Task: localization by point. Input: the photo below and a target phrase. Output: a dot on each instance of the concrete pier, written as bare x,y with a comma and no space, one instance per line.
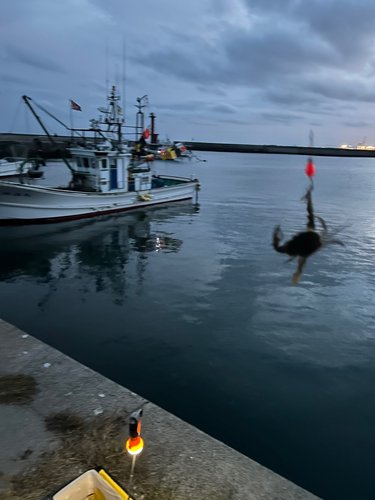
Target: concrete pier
179,462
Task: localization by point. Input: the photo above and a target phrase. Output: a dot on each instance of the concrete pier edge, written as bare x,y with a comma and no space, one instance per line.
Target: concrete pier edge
186,461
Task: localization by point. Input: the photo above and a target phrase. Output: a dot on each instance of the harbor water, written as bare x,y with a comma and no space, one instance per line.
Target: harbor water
190,306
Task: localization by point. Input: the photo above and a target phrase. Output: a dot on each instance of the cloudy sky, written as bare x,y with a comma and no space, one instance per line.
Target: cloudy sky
249,71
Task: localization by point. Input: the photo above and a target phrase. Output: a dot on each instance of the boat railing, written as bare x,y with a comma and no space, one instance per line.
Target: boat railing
177,178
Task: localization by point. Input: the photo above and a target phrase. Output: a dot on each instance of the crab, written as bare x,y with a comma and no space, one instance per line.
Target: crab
305,243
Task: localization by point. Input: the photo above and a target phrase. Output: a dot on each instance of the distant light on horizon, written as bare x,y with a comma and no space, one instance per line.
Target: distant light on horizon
360,146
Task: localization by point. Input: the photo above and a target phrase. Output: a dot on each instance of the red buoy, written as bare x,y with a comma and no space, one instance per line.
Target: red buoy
310,168
146,133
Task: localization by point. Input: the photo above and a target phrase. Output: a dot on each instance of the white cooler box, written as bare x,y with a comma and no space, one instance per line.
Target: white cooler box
92,486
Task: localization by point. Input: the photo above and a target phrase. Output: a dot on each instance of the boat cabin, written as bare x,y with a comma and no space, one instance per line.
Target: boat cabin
106,170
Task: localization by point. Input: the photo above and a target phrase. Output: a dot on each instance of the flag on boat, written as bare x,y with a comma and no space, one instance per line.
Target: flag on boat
119,110
146,133
75,106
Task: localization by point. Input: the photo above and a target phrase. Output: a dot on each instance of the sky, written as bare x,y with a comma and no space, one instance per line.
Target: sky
239,71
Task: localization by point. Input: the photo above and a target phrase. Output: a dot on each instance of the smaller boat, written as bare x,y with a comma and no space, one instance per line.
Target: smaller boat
21,167
166,150
174,151
13,167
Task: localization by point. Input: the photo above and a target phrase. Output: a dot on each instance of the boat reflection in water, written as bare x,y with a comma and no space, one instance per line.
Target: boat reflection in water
99,248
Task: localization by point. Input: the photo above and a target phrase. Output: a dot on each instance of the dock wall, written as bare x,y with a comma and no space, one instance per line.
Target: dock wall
179,461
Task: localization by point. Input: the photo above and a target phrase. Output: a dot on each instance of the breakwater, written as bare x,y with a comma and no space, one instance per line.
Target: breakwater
273,149
22,145
29,145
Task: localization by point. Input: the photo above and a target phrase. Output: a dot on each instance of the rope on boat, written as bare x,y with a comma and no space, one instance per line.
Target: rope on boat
15,116
144,197
197,157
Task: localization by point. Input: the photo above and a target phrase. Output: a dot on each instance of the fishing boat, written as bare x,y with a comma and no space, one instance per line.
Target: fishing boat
175,151
106,178
166,150
12,167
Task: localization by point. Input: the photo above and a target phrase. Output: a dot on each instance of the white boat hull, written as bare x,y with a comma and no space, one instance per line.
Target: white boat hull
12,168
20,203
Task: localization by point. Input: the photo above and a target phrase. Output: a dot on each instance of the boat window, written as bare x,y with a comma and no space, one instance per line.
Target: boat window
79,162
86,162
112,162
104,163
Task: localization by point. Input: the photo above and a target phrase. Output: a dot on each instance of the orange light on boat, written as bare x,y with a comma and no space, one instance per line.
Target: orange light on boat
134,446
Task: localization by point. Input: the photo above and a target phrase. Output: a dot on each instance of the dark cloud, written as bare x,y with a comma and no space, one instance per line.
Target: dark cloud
292,97
12,79
340,88
267,58
180,64
346,25
290,42
233,121
203,123
223,108
212,90
34,59
181,106
284,118
194,106
356,124
244,58
211,62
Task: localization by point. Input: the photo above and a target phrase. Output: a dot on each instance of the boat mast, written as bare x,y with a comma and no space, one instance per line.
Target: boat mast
139,119
27,102
112,118
123,81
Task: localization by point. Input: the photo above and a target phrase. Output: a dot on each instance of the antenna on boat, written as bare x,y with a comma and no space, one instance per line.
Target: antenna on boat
112,117
117,76
123,80
106,67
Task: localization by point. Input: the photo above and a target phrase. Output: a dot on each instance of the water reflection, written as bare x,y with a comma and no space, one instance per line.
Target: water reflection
99,248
